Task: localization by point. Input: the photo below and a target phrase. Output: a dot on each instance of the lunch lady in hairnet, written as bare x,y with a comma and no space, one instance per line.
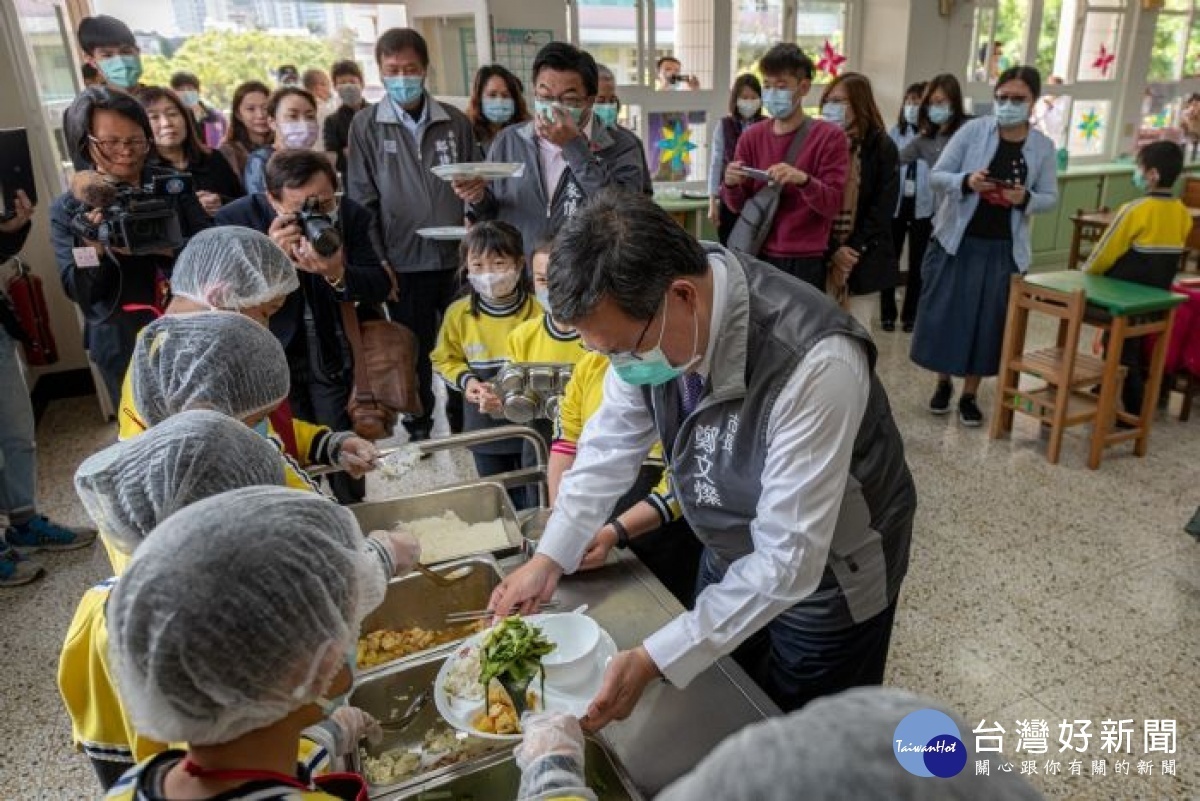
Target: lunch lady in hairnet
783,454
128,489
233,630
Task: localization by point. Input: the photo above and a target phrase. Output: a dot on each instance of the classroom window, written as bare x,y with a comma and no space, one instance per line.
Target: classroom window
758,24
1099,53
1176,42
1090,126
1000,32
608,29
818,23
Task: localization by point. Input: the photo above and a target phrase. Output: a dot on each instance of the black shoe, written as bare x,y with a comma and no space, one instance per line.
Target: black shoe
940,402
888,325
968,412
908,327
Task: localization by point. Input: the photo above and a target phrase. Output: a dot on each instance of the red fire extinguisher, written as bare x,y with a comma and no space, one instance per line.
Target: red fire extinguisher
29,302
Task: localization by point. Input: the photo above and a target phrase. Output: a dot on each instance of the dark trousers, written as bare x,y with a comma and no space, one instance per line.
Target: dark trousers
424,297
811,270
794,664
491,464
109,772
726,220
918,233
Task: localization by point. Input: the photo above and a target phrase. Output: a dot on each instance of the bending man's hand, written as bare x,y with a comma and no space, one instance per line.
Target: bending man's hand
624,681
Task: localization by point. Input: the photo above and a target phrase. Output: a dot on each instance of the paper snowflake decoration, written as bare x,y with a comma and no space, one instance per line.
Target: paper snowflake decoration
1104,61
676,146
831,60
1090,125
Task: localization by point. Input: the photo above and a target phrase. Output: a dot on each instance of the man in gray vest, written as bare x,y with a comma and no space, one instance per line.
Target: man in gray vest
782,447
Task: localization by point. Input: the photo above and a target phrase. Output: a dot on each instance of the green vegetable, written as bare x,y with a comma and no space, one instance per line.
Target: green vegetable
513,650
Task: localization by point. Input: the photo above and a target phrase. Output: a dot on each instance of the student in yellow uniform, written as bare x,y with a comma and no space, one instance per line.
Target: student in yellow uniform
646,520
234,630
1145,244
542,339
127,489
472,344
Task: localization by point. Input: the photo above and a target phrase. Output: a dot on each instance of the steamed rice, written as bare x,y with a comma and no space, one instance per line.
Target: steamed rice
448,537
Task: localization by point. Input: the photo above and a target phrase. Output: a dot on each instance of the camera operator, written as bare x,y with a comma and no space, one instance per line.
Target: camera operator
296,211
117,289
671,78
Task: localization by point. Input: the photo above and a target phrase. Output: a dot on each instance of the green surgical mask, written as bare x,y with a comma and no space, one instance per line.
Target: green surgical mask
652,368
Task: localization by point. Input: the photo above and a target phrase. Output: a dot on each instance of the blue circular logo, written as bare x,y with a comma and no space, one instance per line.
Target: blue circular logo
927,743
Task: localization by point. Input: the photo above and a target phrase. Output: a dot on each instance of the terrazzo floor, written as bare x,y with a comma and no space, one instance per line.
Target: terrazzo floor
1034,592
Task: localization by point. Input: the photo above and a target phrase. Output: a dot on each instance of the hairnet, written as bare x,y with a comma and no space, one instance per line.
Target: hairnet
237,611
132,486
207,360
233,268
837,747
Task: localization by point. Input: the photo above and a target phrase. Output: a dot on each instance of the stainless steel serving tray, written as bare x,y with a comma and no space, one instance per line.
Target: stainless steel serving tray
476,503
415,601
387,694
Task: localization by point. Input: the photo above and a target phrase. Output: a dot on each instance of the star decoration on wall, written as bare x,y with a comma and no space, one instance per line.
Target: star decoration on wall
676,146
1104,61
831,60
1090,125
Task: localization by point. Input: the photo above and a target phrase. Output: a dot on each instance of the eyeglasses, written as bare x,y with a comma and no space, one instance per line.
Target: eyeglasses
628,354
1012,99
573,101
108,147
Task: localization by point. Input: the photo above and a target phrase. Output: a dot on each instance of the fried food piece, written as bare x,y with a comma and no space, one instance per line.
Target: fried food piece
387,645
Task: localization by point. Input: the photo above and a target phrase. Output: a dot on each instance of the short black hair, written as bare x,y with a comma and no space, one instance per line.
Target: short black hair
746,80
564,57
622,246
345,67
279,94
396,40
544,245
103,31
786,58
663,60
1166,157
290,69
89,72
1029,75
182,79
292,167
77,121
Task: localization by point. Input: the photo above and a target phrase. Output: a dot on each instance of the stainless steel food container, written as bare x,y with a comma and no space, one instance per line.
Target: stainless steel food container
497,778
475,503
510,379
541,378
521,407
387,695
415,600
533,523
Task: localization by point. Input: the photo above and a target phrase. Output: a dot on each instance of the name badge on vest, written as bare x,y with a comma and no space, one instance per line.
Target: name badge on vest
910,187
389,146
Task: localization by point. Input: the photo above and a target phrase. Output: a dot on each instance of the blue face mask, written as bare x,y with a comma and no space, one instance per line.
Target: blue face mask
543,296
778,102
912,113
190,97
606,113
499,110
330,704
261,428
652,368
1012,114
835,113
122,71
404,89
939,114
1139,180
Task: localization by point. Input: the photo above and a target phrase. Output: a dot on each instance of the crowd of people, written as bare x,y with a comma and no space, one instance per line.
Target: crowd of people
755,363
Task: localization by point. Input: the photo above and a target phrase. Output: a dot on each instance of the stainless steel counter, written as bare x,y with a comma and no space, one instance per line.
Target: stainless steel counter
670,730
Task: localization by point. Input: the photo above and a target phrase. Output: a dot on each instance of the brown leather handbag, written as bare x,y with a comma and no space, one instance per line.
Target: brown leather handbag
385,373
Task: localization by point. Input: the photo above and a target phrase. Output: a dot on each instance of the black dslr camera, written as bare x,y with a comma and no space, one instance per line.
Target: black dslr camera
139,219
319,228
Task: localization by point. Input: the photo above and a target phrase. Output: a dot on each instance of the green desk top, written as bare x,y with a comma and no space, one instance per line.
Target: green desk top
681,203
1116,297
1112,168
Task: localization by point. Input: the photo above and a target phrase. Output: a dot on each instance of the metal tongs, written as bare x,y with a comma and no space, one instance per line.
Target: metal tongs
484,614
381,461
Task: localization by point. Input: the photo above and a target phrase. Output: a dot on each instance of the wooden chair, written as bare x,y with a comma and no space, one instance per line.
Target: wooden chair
1065,399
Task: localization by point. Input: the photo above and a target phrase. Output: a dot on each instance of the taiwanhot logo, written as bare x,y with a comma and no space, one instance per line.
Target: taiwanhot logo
928,743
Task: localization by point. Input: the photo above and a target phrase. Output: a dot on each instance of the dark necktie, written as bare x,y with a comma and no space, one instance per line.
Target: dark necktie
693,389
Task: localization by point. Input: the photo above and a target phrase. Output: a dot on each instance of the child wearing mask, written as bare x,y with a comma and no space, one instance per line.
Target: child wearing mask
472,345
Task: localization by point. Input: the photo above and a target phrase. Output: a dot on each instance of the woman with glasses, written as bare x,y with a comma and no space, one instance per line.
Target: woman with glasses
995,173
120,286
178,143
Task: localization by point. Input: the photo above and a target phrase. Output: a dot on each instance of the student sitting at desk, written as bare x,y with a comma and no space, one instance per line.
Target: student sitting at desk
1144,244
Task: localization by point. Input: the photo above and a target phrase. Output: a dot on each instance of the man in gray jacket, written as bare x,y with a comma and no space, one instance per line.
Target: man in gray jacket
569,155
392,148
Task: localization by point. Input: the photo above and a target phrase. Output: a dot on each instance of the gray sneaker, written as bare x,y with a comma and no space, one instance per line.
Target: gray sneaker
16,570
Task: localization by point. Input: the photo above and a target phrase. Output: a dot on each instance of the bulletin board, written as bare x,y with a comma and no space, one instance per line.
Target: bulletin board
516,48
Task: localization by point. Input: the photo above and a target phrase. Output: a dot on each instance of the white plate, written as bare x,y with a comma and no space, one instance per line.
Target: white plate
459,713
447,233
489,170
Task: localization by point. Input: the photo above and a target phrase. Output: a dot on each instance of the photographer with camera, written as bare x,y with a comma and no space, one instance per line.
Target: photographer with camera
329,241
671,77
116,233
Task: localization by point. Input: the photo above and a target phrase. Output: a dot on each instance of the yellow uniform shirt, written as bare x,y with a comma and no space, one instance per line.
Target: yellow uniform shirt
99,725
144,781
1146,238
581,399
538,340
476,346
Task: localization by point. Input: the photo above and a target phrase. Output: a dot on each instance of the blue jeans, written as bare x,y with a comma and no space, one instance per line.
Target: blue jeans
793,664
18,466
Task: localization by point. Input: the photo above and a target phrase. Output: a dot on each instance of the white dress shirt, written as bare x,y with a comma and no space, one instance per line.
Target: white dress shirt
810,432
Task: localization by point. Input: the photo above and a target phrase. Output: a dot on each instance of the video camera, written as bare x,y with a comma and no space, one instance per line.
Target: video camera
319,228
139,219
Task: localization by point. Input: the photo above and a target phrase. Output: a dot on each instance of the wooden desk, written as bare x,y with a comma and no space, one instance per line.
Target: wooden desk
1124,310
1091,225
689,212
